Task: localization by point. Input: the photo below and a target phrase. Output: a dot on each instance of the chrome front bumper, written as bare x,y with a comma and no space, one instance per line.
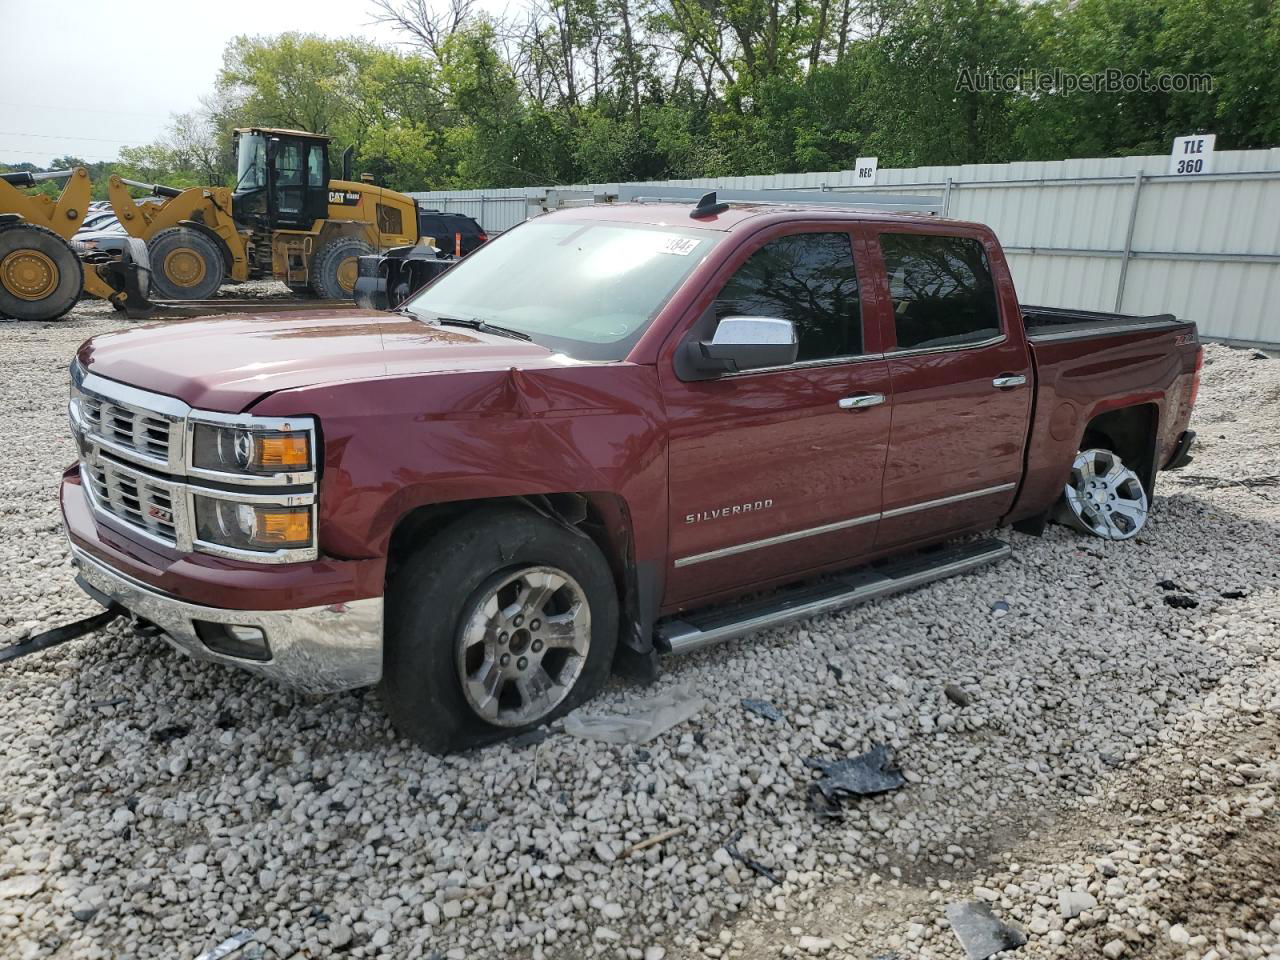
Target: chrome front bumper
316,649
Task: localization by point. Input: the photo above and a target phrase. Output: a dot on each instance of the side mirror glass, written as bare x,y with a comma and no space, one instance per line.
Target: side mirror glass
746,343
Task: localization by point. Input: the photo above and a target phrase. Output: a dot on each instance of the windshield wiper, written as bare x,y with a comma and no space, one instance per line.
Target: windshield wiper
484,326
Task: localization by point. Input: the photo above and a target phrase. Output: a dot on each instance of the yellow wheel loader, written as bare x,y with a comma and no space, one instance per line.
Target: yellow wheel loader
42,275
284,218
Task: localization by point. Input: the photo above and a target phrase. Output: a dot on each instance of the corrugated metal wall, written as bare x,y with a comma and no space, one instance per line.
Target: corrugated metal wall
1099,234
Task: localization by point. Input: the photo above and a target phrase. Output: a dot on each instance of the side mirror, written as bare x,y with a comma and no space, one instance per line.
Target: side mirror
746,343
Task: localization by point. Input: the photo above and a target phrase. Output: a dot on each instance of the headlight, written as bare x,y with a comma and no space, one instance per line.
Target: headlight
259,527
252,450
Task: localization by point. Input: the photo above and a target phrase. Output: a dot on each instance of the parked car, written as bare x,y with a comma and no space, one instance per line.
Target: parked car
583,446
455,234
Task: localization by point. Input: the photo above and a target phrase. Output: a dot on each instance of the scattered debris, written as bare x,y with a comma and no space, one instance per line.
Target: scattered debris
1233,594
836,671
1167,585
755,866
653,841
84,914
113,702
658,716
530,738
1181,601
762,708
174,731
59,635
1000,608
863,775
229,947
1259,355
957,695
980,932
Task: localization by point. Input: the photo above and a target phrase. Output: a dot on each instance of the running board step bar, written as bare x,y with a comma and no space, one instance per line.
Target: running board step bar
699,629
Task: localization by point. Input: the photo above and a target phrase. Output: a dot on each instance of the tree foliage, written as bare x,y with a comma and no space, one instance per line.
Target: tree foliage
606,90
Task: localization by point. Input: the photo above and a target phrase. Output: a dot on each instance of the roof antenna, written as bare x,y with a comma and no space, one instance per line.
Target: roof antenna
708,207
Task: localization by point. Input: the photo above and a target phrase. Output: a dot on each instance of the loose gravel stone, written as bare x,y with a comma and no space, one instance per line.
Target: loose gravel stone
1087,696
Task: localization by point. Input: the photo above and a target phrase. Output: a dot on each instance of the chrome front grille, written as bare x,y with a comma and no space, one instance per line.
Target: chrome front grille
122,426
143,502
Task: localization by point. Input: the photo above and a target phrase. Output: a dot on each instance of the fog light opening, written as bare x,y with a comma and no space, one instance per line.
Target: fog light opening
234,640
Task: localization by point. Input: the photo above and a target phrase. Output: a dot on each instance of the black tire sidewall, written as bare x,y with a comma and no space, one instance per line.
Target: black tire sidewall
324,280
70,273
164,243
430,595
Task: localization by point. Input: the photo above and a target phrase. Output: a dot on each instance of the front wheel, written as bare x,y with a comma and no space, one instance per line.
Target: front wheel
1104,497
185,264
336,265
503,621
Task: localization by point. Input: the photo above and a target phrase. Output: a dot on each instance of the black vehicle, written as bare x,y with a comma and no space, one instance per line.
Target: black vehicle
455,234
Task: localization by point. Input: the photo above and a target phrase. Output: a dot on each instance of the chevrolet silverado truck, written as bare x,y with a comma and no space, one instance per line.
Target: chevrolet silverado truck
613,432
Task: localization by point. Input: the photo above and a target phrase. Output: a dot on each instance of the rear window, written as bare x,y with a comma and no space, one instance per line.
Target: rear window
941,290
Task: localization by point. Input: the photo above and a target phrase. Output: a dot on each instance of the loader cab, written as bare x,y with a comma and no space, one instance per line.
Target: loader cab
282,179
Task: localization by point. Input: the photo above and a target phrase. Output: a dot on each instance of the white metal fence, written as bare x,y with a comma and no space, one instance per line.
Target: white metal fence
1097,234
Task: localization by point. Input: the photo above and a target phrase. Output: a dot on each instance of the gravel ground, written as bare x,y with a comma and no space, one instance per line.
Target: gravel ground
1101,741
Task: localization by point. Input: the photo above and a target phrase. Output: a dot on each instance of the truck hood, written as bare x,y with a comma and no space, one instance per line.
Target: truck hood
226,363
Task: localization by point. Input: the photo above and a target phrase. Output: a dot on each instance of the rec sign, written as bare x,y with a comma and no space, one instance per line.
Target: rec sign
1192,155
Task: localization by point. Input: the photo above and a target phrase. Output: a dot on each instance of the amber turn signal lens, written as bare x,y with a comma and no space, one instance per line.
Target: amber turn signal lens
284,450
284,527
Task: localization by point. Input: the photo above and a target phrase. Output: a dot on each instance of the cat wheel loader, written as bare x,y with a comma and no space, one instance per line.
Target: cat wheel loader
284,218
42,274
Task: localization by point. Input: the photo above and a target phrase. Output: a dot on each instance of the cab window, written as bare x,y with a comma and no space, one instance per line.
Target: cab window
940,289
809,279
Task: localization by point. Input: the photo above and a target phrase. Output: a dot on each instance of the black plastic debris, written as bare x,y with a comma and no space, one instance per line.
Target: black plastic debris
531,738
174,731
1233,594
836,672
981,932
113,702
1181,601
957,695
866,774
762,708
59,635
1000,608
1167,585
755,866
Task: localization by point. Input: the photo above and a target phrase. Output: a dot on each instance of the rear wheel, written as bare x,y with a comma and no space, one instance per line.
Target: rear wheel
333,275
185,264
1104,497
504,621
41,277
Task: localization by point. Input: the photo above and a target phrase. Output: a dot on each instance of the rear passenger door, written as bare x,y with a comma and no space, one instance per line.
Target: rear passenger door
961,379
776,472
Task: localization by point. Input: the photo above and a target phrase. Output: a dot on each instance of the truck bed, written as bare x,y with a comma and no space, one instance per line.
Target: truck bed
1057,323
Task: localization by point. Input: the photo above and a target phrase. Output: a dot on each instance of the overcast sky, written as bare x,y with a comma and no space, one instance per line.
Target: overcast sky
86,77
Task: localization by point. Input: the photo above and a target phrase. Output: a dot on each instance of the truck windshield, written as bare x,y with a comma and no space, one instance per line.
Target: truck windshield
251,163
588,290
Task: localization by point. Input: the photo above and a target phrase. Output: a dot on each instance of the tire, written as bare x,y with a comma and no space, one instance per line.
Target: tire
1103,497
185,265
459,605
333,272
301,290
41,278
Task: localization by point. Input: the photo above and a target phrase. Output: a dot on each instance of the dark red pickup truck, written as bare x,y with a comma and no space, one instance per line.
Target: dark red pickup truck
583,445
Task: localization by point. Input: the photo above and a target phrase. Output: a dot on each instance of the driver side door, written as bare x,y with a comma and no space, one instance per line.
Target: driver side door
777,472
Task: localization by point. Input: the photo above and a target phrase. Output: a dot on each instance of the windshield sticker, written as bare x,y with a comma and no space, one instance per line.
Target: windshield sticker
679,246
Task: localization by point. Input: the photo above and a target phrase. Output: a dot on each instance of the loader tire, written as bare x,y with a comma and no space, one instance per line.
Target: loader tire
333,276
41,277
185,265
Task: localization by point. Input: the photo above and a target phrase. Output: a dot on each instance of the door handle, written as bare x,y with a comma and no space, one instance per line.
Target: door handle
861,401
1004,383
